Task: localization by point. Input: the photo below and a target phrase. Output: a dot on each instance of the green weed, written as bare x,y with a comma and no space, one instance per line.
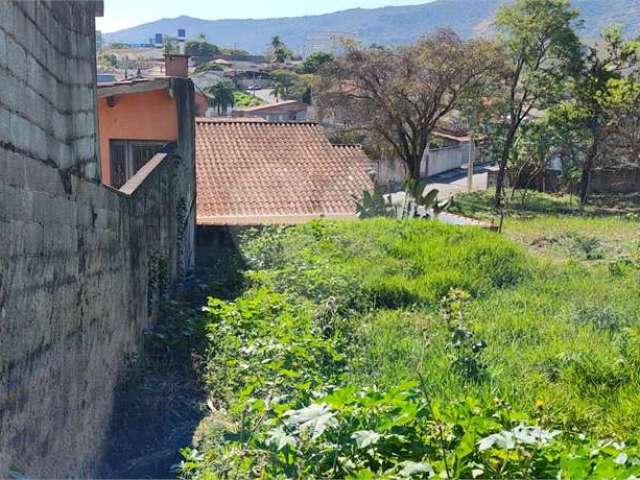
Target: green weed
407,349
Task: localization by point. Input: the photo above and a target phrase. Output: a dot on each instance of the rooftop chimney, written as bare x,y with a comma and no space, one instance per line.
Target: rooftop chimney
177,64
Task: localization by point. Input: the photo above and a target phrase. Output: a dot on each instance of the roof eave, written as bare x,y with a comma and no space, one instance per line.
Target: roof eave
257,220
134,86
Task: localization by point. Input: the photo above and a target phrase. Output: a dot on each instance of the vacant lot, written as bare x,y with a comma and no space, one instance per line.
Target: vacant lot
395,349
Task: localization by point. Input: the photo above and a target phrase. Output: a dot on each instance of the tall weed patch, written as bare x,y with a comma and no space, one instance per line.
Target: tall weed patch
390,349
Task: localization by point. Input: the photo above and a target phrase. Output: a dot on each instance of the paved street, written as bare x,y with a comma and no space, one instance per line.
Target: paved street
266,95
455,181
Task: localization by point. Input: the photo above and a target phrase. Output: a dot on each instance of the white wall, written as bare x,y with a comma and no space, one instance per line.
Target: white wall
447,158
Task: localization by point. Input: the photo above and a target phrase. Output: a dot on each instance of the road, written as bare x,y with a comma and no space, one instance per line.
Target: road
266,95
455,181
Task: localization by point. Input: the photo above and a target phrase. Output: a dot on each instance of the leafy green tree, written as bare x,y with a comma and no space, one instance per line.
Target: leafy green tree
223,96
531,154
622,105
302,88
201,51
283,82
279,50
315,62
601,68
541,46
169,45
236,53
585,116
276,42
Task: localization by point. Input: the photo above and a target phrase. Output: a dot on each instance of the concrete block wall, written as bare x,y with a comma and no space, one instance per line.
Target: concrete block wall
622,180
47,92
75,257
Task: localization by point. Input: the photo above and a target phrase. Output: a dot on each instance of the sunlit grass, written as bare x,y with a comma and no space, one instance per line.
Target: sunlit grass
560,326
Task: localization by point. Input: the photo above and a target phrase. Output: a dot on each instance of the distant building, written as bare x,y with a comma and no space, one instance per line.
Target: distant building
289,111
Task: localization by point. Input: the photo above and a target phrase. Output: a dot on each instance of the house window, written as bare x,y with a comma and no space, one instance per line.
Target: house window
129,156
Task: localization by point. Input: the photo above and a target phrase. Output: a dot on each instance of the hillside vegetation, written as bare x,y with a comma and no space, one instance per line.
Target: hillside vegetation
387,26
390,349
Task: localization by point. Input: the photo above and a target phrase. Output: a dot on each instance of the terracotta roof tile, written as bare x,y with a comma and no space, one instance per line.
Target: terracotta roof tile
259,172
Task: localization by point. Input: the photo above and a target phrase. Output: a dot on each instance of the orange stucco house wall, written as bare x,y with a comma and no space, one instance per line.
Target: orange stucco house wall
136,116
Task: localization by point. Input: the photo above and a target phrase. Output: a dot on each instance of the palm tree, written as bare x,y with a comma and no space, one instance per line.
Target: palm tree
283,80
223,97
279,50
280,91
276,42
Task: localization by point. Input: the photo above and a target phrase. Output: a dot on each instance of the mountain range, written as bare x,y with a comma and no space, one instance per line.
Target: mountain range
387,26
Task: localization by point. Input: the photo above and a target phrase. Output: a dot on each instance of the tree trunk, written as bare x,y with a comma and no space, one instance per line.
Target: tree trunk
425,159
504,161
413,165
585,180
587,169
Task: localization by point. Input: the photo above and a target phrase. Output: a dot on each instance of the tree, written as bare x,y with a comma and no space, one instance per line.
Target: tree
539,41
584,116
201,51
531,154
622,105
223,97
601,68
279,51
236,53
107,60
316,61
398,96
276,42
283,82
170,45
301,88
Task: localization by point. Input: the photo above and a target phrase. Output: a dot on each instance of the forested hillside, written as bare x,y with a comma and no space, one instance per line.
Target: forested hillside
389,25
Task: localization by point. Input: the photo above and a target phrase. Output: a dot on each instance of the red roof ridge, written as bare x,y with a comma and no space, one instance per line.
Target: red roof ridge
247,121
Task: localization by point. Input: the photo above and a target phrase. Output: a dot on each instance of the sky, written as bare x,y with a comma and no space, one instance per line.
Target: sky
120,14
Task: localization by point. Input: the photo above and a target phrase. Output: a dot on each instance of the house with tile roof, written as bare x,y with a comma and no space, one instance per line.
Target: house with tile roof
257,173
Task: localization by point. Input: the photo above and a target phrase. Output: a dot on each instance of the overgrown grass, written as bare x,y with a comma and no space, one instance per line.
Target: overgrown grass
336,309
533,204
558,228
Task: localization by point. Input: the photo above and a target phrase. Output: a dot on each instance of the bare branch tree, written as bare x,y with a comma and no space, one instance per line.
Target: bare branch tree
398,96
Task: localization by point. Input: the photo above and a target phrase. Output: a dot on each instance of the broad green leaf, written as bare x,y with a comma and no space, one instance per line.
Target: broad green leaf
280,439
314,419
365,438
412,468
